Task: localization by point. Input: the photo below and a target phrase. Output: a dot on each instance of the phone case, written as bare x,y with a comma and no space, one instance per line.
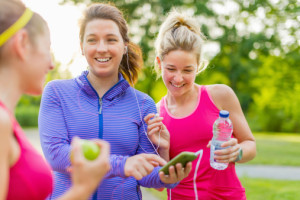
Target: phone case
183,158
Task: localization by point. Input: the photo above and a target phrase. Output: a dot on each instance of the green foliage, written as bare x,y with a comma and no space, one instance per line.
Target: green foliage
257,55
27,116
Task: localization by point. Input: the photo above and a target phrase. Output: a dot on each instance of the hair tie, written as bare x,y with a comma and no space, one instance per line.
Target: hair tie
181,23
20,23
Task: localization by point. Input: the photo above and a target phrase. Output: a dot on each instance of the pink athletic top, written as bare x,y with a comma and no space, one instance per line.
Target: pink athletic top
30,177
192,133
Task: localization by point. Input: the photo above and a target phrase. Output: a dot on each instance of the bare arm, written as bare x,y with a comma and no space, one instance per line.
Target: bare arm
225,99
5,135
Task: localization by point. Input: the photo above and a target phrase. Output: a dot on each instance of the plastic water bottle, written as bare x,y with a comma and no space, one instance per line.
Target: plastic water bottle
222,130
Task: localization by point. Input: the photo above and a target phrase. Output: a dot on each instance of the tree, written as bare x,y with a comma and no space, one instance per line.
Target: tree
256,52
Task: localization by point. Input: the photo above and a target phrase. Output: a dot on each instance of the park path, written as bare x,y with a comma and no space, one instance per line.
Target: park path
253,171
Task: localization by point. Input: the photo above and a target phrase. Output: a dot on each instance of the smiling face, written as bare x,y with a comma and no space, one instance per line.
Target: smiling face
179,71
103,48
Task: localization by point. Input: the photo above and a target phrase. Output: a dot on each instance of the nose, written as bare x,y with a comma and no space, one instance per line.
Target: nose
102,46
178,77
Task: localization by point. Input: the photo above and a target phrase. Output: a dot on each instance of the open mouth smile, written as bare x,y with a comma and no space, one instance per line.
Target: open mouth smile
103,60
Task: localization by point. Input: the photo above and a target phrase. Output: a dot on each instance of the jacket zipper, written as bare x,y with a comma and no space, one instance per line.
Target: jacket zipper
100,109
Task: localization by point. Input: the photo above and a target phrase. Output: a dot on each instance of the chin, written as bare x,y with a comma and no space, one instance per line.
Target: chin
35,92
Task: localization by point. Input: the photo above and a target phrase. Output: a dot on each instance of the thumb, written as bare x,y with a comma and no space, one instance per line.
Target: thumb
152,158
76,150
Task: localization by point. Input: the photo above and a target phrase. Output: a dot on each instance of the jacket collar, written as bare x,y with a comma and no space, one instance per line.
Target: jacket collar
115,91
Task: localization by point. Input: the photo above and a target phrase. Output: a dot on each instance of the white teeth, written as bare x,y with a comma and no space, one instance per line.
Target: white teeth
103,59
178,86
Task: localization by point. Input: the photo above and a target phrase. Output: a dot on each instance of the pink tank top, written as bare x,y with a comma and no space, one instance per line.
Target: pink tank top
30,177
192,133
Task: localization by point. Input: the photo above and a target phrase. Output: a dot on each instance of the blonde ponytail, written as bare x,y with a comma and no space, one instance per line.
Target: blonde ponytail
179,32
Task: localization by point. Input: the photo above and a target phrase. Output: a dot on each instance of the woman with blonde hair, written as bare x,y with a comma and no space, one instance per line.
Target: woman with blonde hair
25,59
189,111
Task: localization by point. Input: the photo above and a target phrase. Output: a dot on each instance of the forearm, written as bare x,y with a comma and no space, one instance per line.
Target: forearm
164,153
249,151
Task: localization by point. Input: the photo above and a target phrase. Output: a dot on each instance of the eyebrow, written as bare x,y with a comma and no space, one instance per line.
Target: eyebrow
188,66
108,35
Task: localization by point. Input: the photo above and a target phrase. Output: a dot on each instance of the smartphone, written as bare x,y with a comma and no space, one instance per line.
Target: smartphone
183,158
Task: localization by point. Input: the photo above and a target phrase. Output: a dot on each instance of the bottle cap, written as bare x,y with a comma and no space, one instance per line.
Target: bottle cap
224,113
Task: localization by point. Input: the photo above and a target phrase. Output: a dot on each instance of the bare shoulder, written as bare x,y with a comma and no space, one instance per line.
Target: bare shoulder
5,125
221,95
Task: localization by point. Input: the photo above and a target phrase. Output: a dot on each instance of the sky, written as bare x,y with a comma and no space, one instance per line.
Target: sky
64,31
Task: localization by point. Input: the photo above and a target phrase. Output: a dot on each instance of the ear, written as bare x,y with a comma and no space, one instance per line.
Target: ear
21,44
158,62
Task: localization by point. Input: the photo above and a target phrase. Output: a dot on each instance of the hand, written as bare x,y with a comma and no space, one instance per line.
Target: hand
86,175
141,165
229,154
176,175
158,134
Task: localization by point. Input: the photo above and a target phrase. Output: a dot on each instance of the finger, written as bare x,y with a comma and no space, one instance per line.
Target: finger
148,117
208,145
172,174
148,167
154,164
163,177
153,157
231,142
155,124
142,170
179,171
137,175
188,169
105,148
156,120
76,150
153,131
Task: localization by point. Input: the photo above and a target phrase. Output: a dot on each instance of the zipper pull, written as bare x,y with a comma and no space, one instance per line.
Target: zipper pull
100,110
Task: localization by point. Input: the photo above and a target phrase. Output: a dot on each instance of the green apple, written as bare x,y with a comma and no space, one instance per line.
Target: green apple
89,148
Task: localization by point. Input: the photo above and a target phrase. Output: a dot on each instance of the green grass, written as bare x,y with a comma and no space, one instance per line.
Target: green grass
265,189
259,189
277,149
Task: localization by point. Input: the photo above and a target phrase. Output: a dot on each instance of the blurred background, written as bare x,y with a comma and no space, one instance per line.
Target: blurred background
253,46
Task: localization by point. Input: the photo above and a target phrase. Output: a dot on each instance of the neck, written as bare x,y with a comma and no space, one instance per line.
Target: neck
103,84
184,99
10,90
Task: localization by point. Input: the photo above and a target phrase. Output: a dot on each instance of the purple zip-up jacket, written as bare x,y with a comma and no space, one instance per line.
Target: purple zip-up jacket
73,108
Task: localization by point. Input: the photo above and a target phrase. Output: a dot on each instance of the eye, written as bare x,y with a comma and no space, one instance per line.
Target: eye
188,71
90,40
112,40
170,69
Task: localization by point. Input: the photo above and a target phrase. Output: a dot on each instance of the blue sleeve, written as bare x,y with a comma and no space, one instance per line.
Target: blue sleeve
145,146
53,131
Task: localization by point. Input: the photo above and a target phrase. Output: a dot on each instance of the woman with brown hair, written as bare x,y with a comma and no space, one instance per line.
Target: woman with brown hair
100,103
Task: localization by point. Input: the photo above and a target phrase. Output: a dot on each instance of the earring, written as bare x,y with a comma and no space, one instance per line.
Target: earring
125,49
